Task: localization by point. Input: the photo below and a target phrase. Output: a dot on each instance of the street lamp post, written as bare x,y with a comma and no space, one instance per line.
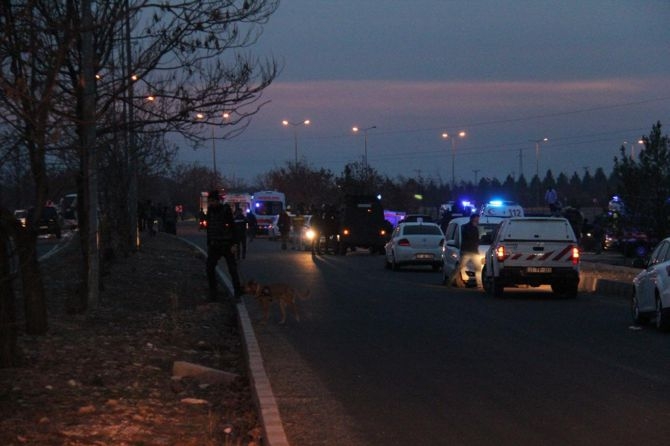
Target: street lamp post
446,135
537,166
295,125
365,138
201,117
632,147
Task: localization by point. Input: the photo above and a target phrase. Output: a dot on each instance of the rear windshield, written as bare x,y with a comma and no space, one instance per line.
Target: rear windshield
534,230
422,230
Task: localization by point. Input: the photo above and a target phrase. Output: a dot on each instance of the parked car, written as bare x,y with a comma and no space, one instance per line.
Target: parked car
415,243
49,222
451,252
651,295
417,217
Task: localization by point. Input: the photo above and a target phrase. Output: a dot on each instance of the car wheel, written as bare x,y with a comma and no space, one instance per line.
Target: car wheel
497,287
662,316
571,290
558,288
639,318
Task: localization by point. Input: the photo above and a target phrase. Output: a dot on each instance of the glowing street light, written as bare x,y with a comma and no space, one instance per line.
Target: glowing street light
202,117
632,147
365,137
446,135
295,125
537,166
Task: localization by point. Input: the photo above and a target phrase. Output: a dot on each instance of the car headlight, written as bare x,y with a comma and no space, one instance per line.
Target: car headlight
310,234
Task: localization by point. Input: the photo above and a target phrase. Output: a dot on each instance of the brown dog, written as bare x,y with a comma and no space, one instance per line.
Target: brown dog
268,293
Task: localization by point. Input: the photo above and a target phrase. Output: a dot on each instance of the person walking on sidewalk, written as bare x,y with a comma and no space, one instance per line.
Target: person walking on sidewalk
220,241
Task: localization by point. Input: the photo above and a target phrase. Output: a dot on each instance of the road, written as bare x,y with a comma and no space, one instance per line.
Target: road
395,358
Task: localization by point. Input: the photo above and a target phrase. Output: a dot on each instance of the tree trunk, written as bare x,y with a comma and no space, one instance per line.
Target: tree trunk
32,285
8,356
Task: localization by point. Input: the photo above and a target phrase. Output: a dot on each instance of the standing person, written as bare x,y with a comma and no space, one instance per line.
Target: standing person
551,198
220,241
284,225
298,222
240,234
252,226
469,248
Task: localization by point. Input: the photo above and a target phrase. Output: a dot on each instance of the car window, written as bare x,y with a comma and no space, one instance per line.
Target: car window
449,233
486,233
422,230
659,253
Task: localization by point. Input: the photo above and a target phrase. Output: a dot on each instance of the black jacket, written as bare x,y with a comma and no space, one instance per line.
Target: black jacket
470,238
220,225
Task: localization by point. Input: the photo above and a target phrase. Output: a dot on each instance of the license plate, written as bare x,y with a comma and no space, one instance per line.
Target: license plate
424,256
538,269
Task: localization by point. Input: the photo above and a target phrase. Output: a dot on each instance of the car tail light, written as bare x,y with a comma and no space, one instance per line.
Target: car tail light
501,253
403,242
575,255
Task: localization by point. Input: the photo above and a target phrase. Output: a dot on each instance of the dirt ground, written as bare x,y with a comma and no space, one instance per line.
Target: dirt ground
105,377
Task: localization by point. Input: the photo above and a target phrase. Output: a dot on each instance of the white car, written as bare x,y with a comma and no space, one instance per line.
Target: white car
651,297
415,243
451,254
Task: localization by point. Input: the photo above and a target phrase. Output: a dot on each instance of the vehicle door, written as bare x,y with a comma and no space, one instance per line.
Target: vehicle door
647,280
452,247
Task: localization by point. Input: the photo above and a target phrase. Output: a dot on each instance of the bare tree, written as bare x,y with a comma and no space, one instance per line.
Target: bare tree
75,75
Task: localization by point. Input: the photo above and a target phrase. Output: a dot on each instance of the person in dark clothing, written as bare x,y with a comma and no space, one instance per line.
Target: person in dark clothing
284,224
240,234
252,226
469,249
220,241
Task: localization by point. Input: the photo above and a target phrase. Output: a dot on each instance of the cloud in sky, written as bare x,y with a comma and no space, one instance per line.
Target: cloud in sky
589,75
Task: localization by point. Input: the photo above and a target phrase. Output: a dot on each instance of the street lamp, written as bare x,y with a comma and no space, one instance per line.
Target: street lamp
201,117
295,125
632,147
537,166
365,137
446,135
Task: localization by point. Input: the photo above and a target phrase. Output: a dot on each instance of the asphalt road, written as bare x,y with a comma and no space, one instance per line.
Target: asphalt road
395,358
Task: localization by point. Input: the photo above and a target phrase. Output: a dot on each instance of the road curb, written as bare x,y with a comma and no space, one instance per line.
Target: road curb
591,283
266,404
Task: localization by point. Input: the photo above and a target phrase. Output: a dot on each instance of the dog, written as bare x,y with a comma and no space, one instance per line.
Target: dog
268,293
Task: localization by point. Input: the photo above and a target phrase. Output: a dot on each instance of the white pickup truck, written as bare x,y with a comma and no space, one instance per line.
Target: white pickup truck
533,251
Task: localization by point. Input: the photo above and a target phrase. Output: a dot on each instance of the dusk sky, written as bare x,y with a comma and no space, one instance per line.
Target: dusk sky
587,74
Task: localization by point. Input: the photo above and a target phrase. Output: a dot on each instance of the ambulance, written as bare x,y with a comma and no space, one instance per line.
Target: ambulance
266,206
